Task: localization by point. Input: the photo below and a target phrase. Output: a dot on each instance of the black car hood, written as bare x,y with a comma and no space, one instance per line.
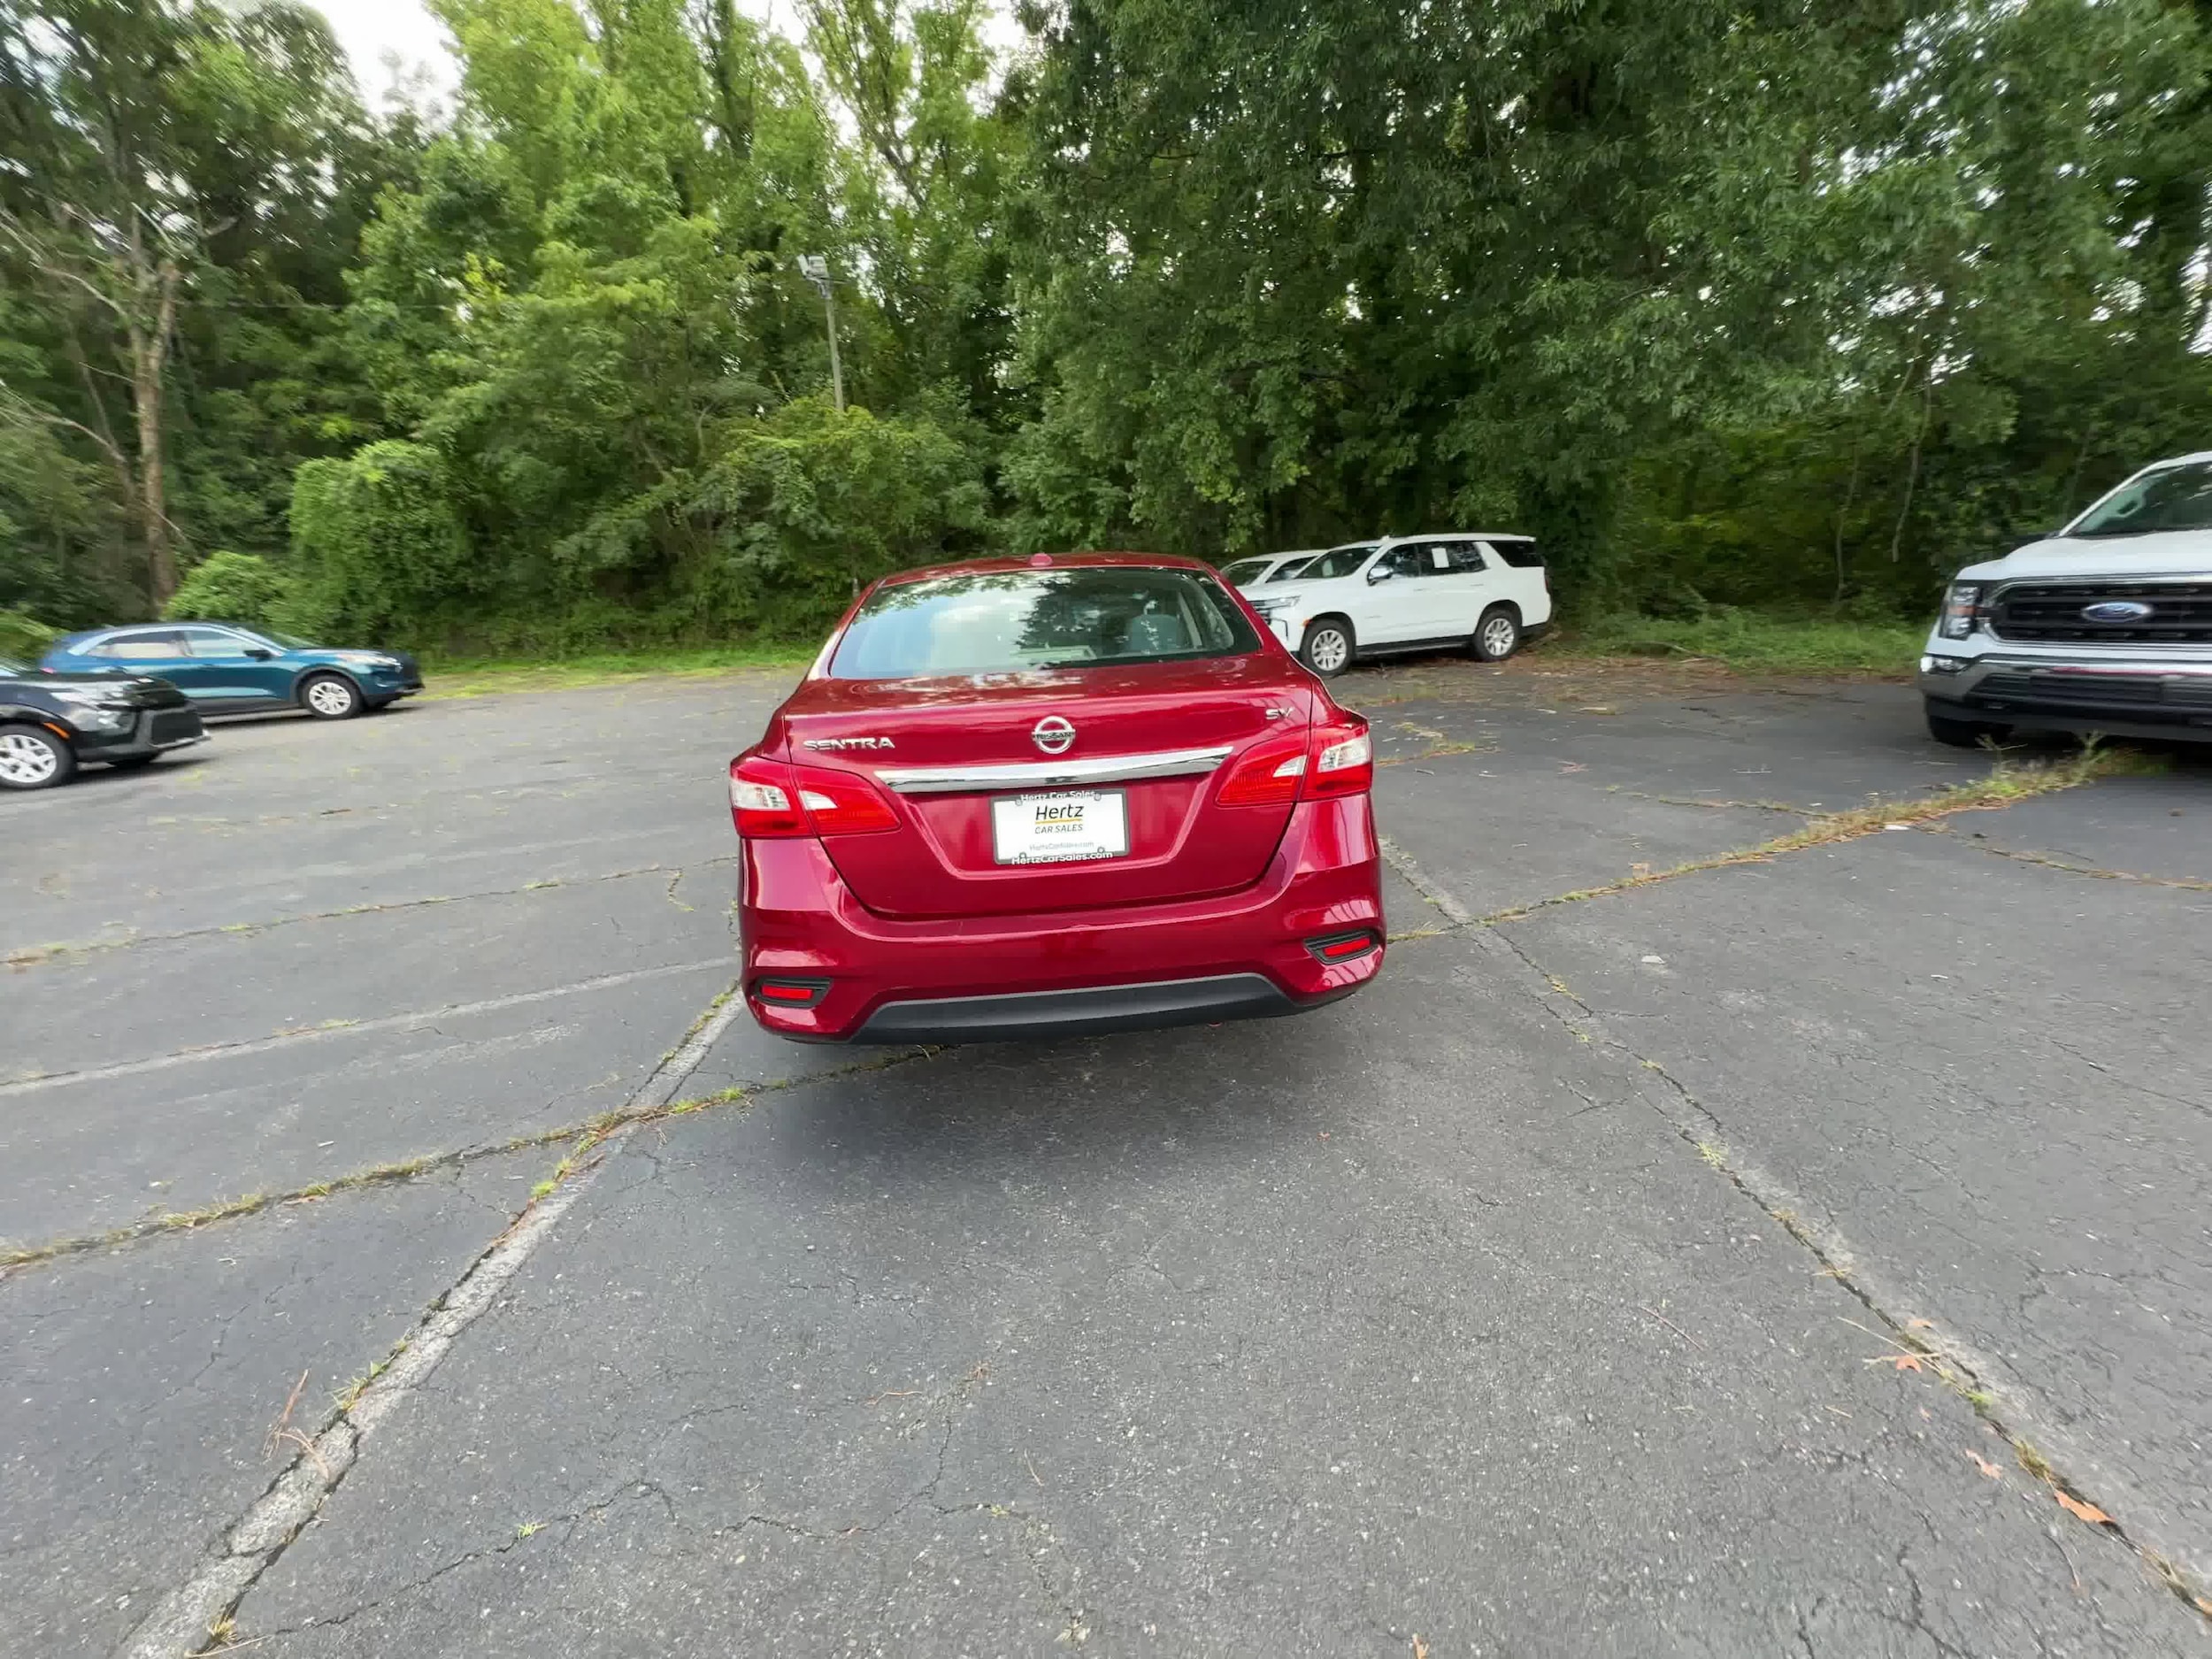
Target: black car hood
137,691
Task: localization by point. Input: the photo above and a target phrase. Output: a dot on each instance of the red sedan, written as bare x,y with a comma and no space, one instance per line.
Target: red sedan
1072,792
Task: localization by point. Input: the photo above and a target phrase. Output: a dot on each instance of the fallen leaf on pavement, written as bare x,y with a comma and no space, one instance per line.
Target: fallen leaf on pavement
1420,1648
1904,1362
1920,1325
1985,1465
2074,1506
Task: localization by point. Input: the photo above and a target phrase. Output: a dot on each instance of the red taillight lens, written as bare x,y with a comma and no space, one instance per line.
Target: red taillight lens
1343,759
765,799
771,799
1334,758
1268,775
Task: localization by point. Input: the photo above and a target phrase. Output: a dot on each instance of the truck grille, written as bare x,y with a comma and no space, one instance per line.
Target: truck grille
2181,612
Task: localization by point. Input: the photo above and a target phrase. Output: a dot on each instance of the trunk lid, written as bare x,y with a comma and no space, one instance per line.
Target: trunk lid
943,860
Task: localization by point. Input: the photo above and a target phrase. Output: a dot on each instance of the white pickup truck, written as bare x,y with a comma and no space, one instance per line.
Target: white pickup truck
2105,627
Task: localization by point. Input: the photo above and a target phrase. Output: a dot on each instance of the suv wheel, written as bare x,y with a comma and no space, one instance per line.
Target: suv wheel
1962,733
331,697
34,759
1498,636
1328,647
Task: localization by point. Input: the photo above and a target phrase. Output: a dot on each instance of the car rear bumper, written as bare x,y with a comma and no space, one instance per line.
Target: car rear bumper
1233,956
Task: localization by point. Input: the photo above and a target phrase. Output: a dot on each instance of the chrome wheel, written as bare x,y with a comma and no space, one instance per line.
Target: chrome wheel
1497,637
27,761
1327,649
332,698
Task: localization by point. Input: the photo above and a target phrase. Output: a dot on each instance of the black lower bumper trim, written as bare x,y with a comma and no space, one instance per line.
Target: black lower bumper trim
2112,723
1085,1010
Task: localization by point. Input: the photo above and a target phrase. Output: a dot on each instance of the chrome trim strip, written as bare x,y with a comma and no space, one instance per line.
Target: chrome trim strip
1171,763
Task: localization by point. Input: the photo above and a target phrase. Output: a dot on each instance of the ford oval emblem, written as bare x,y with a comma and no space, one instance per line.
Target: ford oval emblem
1053,735
2116,611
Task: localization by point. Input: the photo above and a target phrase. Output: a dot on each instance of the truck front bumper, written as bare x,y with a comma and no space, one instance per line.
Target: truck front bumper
2128,696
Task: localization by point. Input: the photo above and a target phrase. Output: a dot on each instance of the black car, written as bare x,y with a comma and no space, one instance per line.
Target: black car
52,724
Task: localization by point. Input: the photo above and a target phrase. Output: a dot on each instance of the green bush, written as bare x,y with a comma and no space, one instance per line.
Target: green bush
23,638
380,551
242,587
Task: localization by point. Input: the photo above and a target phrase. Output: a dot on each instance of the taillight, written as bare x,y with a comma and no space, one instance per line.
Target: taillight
1343,760
791,992
772,799
1269,774
1334,758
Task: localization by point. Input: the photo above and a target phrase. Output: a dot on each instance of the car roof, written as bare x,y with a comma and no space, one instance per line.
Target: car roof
1053,561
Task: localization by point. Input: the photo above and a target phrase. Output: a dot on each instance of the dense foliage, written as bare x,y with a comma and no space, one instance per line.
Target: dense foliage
1784,303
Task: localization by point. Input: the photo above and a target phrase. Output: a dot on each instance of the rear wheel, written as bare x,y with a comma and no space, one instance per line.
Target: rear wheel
1497,636
1962,733
31,759
331,697
1328,647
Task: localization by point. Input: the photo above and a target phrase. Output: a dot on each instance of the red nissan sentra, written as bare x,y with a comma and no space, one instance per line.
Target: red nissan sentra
1072,792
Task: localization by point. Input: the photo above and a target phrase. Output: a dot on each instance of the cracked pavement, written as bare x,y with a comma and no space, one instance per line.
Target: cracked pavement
1548,1296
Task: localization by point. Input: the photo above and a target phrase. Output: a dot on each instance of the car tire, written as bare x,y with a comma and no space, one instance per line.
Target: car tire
134,762
331,697
1497,636
33,758
1964,733
1329,647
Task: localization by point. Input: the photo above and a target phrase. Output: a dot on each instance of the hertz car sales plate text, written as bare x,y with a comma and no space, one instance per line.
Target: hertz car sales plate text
1055,829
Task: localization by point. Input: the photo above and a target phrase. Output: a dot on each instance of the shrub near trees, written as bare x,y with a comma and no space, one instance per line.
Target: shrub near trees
1764,304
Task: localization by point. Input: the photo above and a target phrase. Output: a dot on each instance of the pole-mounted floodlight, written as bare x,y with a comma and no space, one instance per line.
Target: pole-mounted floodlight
815,268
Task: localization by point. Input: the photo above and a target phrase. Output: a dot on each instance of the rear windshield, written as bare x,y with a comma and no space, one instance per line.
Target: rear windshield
998,622
2172,498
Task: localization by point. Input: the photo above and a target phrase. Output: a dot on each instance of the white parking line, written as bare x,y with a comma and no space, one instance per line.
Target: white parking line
354,1028
180,1625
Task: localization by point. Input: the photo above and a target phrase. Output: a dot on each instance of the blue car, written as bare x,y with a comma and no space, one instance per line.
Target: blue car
225,669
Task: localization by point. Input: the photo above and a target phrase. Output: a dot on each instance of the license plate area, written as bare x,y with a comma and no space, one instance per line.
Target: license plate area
1065,827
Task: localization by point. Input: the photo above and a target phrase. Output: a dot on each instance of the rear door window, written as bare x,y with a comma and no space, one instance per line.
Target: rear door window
1519,552
998,622
167,642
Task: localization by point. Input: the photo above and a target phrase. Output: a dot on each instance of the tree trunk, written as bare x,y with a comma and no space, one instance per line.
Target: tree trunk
149,353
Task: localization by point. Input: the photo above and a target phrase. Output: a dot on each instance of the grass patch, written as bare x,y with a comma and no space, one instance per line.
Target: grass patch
482,676
1757,641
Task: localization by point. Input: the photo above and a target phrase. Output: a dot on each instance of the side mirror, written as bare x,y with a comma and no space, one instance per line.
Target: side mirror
259,653
1381,573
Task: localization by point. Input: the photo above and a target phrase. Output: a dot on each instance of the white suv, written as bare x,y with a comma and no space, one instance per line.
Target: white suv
2106,625
1475,589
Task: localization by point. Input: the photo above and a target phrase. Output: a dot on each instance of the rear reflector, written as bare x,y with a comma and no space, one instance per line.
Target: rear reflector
1342,946
791,992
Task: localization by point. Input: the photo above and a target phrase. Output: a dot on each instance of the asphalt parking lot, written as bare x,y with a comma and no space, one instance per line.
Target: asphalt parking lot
1736,1260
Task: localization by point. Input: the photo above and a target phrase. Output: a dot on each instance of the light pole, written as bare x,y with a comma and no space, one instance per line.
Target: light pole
815,269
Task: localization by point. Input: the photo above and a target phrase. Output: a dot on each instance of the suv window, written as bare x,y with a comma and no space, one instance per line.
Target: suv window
1338,561
1002,622
212,641
167,642
1411,559
1292,569
1243,570
1460,558
1519,552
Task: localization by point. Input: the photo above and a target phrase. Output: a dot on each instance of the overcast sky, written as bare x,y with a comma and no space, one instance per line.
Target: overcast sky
368,29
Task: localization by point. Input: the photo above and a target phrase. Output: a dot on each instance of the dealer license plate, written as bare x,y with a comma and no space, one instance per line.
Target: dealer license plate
1059,829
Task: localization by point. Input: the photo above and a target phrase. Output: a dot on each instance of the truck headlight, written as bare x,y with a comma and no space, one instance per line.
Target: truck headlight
90,710
1959,608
